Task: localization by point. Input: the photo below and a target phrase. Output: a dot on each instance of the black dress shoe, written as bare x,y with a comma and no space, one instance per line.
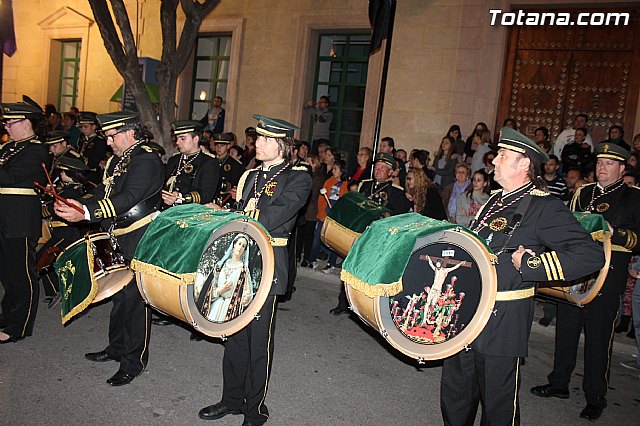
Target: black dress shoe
121,378
216,411
339,311
10,339
101,356
591,412
547,391
160,321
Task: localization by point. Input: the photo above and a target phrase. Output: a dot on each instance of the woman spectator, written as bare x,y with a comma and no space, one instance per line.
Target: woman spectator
456,134
489,169
444,162
311,211
335,186
330,156
541,138
424,194
483,142
616,136
473,198
510,123
452,191
635,145
364,165
470,147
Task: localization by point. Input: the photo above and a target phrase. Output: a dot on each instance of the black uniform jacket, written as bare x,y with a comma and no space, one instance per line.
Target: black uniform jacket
230,172
20,166
93,149
619,204
142,178
387,195
198,181
564,251
277,208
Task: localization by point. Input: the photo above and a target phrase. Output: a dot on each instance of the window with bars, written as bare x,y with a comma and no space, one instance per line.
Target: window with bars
69,74
211,72
341,74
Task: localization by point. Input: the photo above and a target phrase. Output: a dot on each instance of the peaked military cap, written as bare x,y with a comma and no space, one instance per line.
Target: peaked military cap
223,138
515,141
274,127
186,126
113,120
55,137
20,110
87,117
611,150
386,158
69,163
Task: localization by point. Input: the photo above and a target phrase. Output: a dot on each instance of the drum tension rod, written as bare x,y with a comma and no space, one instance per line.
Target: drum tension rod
421,361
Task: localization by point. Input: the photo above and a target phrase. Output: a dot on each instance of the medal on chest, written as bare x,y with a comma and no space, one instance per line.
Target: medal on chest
498,224
602,207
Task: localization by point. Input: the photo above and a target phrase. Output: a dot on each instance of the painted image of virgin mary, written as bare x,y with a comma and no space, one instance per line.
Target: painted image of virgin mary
228,289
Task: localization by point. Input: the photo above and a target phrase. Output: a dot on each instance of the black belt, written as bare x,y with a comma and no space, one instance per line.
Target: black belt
139,211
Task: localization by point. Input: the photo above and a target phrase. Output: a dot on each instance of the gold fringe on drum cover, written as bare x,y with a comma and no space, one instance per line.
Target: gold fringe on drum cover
158,272
92,293
371,291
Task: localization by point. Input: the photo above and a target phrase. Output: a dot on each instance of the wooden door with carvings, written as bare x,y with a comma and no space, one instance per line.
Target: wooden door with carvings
554,73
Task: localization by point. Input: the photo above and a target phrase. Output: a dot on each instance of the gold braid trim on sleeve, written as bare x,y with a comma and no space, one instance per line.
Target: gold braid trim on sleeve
371,290
241,182
158,272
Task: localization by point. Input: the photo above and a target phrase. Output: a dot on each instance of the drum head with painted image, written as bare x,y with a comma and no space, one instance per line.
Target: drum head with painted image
233,279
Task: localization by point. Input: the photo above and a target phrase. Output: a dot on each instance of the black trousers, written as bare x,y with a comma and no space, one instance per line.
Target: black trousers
129,330
308,231
597,319
246,364
20,281
470,378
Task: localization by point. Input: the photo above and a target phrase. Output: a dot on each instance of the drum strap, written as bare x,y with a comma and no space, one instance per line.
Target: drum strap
134,226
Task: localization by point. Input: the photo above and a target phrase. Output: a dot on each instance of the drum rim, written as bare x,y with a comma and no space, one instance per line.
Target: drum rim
187,301
91,237
100,296
565,294
488,275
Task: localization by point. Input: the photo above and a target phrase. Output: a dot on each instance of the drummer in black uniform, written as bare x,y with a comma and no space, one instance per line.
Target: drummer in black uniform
72,184
192,175
230,168
21,162
535,238
92,146
619,204
272,194
125,202
58,143
381,189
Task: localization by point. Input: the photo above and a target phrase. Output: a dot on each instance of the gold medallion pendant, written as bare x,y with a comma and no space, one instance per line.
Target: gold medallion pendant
188,168
602,207
227,167
498,224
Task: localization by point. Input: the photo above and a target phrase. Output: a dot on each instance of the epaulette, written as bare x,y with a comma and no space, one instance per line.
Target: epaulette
236,160
397,186
35,141
240,186
300,168
304,163
539,193
366,180
146,148
75,153
495,191
210,155
175,153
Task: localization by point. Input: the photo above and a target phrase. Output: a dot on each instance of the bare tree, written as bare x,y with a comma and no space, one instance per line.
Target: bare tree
123,53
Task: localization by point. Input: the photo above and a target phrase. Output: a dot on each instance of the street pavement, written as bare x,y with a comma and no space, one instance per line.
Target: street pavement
326,371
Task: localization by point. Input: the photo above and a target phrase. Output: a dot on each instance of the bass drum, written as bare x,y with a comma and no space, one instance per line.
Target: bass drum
581,291
449,289
348,219
232,282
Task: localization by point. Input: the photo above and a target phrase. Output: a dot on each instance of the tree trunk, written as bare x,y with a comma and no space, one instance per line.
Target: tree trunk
174,58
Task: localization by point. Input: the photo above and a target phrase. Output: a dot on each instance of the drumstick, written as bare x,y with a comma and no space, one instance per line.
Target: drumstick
59,198
46,172
323,191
